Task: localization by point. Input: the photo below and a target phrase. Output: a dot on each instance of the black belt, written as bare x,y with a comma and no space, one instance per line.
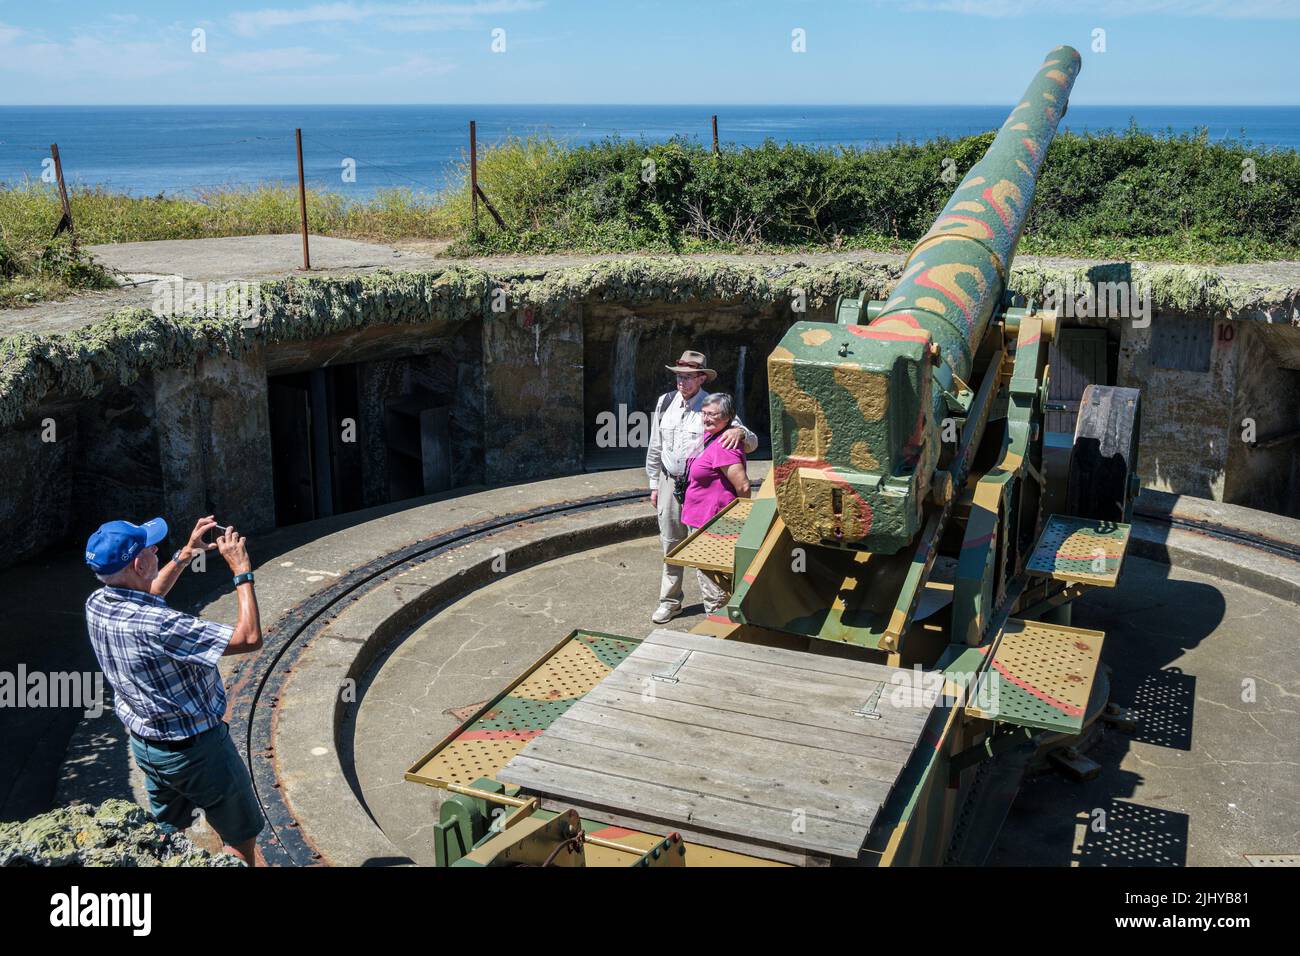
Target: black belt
182,744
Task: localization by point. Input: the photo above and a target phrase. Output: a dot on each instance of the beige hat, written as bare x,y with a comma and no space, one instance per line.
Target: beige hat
693,362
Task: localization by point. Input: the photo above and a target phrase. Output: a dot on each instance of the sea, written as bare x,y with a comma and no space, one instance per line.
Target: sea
357,150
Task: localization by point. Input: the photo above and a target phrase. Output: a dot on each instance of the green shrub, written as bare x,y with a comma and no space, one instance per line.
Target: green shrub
1128,194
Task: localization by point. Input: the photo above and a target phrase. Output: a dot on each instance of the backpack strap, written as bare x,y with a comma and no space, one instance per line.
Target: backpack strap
664,399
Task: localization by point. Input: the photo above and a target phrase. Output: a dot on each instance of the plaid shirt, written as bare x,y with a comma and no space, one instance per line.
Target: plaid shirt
161,663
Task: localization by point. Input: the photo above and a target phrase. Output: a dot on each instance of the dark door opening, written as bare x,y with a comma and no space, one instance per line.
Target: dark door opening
315,455
418,439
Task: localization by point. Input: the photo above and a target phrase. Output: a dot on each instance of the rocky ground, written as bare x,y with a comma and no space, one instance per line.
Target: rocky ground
115,833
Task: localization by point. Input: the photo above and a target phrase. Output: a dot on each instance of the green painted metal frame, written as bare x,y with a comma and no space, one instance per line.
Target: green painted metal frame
987,529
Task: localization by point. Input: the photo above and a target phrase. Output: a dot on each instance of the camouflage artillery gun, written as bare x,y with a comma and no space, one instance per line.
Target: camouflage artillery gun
898,638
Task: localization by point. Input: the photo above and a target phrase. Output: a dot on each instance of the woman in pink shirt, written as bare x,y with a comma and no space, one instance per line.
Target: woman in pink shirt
715,476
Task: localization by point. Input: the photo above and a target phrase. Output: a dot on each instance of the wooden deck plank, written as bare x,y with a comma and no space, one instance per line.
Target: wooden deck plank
799,660
723,779
691,706
815,757
706,657
704,811
748,744
819,706
712,753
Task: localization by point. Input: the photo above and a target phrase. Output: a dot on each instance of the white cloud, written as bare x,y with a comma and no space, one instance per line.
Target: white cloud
91,54
1215,9
392,16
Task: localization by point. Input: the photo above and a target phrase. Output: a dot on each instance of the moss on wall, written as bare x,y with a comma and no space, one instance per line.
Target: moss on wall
116,833
127,343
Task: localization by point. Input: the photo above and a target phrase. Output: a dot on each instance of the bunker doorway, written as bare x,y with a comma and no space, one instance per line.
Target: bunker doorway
315,455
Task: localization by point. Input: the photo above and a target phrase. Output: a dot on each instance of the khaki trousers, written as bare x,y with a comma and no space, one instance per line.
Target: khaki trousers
672,533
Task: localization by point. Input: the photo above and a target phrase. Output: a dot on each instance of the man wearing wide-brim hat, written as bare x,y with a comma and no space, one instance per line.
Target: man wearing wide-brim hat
676,428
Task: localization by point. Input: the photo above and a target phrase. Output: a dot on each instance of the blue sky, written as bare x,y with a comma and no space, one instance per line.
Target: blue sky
638,51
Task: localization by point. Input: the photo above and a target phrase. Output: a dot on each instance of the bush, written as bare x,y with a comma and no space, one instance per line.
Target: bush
1130,193
1125,194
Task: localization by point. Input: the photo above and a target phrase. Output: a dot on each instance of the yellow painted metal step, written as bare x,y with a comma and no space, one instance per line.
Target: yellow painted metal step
1040,676
1080,549
712,548
500,728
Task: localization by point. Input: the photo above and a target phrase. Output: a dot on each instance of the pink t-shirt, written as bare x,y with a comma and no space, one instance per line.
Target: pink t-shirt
708,491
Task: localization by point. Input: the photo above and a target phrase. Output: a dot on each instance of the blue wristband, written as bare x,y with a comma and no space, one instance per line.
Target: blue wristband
241,578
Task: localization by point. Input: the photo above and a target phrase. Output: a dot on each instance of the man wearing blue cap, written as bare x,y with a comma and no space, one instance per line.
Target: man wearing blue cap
162,665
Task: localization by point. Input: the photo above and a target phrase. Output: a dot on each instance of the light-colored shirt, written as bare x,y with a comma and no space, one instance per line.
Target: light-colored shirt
160,662
675,435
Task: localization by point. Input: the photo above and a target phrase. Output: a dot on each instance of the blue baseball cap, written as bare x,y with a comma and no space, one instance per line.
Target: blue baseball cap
116,543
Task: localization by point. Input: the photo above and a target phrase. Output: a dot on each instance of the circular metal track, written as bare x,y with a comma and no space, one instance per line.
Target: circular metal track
256,684
1210,529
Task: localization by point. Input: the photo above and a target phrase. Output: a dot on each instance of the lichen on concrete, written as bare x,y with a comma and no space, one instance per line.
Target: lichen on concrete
127,343
116,833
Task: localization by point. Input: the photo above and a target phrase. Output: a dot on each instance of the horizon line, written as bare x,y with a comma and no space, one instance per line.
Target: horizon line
635,105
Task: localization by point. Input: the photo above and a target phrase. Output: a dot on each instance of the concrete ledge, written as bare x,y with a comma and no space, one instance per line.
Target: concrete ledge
1216,538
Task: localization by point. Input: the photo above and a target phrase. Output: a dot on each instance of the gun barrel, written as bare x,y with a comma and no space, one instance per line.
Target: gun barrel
955,276
856,409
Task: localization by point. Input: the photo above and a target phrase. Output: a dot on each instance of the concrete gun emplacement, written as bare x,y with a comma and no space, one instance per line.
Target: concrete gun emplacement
931,514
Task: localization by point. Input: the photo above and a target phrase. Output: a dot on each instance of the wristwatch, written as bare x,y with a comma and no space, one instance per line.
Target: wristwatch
241,578
176,558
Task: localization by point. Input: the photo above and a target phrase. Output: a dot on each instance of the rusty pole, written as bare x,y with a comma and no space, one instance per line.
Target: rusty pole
473,173
66,221
302,203
715,134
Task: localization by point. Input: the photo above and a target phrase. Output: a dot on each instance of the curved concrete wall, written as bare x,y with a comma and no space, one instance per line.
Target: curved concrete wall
137,413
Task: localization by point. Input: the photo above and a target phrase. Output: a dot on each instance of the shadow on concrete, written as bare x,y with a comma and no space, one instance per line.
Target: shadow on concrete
1129,834
45,631
1150,621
